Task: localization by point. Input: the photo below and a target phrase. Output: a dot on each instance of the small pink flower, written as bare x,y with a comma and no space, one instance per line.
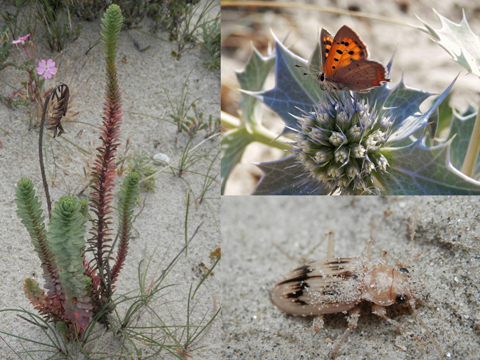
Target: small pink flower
21,39
47,68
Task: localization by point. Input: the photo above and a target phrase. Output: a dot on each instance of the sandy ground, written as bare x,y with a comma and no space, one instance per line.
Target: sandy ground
422,63
160,226
447,239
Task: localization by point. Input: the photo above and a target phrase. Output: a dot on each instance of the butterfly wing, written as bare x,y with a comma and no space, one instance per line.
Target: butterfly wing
361,75
345,48
326,40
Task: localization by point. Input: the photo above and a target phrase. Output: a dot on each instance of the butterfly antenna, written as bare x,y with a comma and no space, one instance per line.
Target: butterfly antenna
309,72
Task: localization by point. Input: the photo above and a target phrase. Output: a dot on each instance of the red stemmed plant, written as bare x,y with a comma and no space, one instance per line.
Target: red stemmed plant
79,289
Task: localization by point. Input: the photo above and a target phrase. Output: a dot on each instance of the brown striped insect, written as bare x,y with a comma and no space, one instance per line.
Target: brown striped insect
335,285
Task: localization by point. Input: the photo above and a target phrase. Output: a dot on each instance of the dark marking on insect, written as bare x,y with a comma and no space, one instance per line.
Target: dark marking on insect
331,293
349,274
339,261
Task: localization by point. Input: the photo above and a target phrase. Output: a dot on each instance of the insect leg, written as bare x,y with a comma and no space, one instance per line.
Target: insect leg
352,323
428,331
382,312
331,245
412,235
318,323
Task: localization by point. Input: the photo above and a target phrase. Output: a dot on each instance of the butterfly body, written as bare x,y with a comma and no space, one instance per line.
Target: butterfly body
345,66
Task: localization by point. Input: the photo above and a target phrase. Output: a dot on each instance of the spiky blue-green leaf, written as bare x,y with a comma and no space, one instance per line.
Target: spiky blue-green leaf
293,91
420,170
404,103
459,41
284,177
252,78
445,114
461,130
233,145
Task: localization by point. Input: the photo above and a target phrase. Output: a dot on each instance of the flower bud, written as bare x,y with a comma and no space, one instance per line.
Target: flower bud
358,151
341,155
337,139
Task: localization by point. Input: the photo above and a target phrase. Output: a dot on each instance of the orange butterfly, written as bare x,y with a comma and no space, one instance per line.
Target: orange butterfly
345,65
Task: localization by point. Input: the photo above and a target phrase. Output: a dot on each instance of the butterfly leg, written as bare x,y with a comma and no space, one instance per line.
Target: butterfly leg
354,314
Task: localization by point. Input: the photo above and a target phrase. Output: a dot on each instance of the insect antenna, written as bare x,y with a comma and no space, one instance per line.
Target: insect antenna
425,326
412,235
310,71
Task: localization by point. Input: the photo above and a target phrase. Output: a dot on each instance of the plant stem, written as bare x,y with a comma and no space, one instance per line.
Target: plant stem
293,5
267,137
229,121
258,132
40,154
473,148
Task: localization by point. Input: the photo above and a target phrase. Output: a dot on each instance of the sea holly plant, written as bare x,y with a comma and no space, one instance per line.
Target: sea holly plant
340,142
464,46
80,273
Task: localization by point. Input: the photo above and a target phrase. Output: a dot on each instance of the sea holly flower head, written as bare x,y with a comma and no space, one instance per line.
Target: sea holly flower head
21,39
47,68
337,143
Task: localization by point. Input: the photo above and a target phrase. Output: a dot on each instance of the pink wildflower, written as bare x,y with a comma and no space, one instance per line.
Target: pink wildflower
21,39
47,68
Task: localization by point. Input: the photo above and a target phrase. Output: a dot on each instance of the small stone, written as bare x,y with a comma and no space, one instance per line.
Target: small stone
163,159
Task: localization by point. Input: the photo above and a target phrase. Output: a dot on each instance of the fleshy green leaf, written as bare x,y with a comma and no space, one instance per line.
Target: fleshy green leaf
66,238
126,203
284,177
418,170
459,41
30,212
